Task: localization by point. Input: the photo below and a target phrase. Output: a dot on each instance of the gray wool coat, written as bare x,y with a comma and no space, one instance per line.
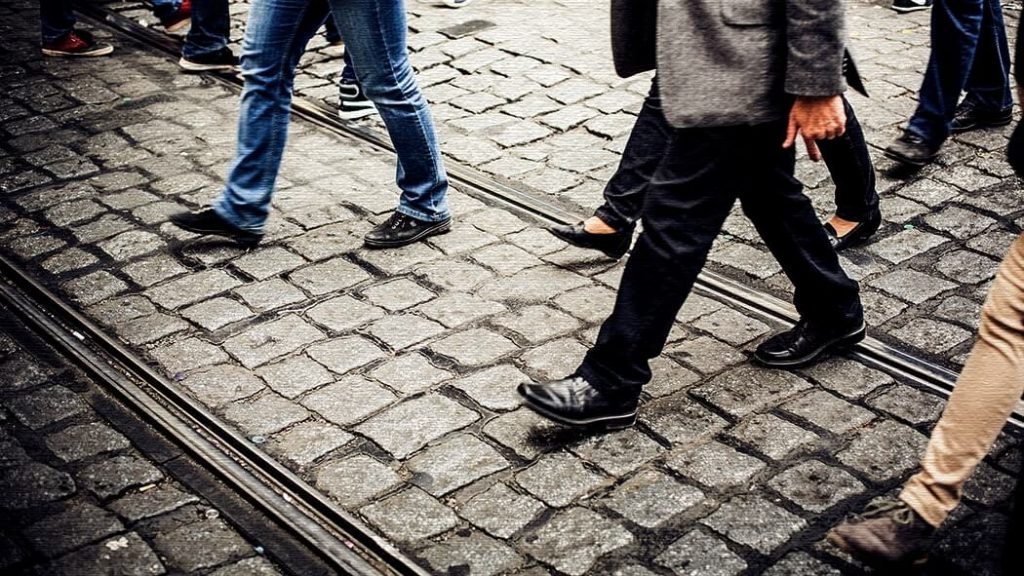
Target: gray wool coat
731,62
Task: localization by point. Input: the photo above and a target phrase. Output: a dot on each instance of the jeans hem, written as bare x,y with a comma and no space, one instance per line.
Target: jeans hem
419,215
225,211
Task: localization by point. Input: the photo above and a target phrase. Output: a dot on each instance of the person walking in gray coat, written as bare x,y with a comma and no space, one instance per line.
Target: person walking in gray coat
739,82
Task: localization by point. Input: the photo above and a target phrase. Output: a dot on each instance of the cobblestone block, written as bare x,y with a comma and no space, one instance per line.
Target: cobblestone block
801,563
248,567
71,528
680,420
150,328
589,303
35,246
747,389
461,239
715,465
566,118
262,264
473,554
397,295
505,259
187,355
456,309
932,335
70,212
537,242
112,477
909,404
343,314
966,267
474,347
393,262
706,355
454,276
131,244
574,540
698,554
402,331
265,342
410,425
538,323
501,511
959,309
341,355
454,463
304,443
126,555
84,440
524,432
265,415
989,486
329,241
329,276
20,372
905,245
201,545
560,479
68,261
94,287
929,191
493,388
651,498
958,222
222,384
618,453
356,480
995,243
828,412
32,484
216,313
410,515
885,451
613,126
845,377
349,400
192,288
753,521
772,436
45,407
147,272
554,359
103,227
410,374
732,327
815,486
294,376
754,261
518,132
270,294
151,501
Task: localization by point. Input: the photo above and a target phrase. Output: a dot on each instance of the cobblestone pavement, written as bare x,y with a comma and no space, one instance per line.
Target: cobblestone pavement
386,379
78,498
533,101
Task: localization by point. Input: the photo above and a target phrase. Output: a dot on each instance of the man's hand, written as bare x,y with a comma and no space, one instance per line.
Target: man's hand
815,118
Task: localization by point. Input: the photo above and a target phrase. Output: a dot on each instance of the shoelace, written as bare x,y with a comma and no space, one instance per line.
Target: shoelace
895,509
399,220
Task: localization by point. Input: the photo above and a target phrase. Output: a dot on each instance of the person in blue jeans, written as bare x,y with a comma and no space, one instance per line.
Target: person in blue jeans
375,35
969,53
206,45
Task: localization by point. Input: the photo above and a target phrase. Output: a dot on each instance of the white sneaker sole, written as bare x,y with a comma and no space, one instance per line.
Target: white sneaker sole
357,113
197,67
98,52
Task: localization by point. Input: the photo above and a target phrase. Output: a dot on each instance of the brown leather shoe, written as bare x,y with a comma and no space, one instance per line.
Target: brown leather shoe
887,534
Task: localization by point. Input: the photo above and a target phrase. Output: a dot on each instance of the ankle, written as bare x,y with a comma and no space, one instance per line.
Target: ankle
594,225
841,225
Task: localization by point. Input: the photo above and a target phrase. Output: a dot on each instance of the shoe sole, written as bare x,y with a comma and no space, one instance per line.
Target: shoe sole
426,233
838,344
98,52
980,125
616,255
357,113
606,422
911,9
901,158
842,544
247,242
189,66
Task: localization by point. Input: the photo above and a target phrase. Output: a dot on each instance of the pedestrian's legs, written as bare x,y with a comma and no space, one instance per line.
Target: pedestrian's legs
687,201
375,36
348,72
331,31
988,84
988,389
624,194
956,27
275,37
849,163
56,18
211,26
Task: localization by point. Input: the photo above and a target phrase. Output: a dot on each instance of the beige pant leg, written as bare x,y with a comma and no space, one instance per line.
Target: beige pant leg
986,393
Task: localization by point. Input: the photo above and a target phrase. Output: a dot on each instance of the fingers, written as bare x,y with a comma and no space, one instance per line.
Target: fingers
812,149
791,131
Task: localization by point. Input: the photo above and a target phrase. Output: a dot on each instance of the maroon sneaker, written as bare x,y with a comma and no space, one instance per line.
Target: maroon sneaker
179,19
76,43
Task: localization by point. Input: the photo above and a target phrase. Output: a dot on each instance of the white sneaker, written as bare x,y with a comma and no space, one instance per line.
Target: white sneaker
911,5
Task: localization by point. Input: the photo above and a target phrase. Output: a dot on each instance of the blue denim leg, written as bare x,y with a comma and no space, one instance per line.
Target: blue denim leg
374,33
211,26
968,40
348,72
162,8
275,37
56,18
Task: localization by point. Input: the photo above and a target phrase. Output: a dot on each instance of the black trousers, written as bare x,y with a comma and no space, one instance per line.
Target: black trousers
701,173
846,157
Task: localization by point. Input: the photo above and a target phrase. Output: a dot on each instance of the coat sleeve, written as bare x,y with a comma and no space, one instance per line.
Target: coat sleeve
815,43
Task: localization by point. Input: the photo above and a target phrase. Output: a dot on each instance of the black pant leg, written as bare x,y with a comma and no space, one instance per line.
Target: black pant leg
626,189
688,199
849,163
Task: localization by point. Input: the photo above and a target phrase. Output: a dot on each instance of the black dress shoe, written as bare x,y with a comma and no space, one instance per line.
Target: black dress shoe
806,342
861,232
207,221
401,230
574,402
969,116
911,149
613,245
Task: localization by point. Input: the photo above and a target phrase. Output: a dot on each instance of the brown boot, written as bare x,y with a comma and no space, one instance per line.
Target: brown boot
888,533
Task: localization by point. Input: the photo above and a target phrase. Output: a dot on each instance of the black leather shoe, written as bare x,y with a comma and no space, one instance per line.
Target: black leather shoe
860,233
969,116
207,221
613,245
805,343
574,402
911,149
401,230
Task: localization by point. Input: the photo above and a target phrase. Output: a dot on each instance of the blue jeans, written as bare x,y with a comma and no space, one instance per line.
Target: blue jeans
211,26
348,72
375,35
162,8
56,18
969,53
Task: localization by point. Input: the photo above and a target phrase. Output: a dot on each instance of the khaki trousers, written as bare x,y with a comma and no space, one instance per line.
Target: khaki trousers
986,393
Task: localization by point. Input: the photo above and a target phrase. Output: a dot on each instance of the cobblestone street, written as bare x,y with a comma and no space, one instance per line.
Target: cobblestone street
386,379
